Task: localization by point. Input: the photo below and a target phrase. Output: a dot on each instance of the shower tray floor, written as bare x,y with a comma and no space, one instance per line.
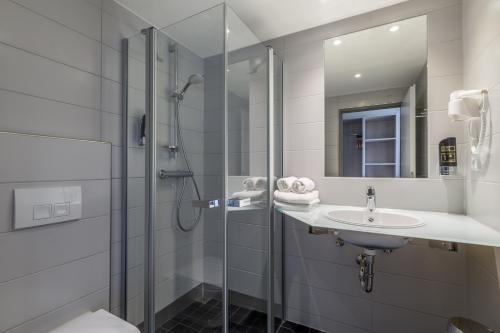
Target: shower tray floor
205,317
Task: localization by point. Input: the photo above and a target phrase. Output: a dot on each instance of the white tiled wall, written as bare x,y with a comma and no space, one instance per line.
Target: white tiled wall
60,76
481,51
50,85
416,288
303,57
52,273
117,23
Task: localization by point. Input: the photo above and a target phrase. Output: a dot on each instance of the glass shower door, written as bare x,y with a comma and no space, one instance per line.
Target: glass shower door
203,120
175,79
253,162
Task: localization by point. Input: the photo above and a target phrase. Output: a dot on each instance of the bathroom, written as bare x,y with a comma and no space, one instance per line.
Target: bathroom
147,148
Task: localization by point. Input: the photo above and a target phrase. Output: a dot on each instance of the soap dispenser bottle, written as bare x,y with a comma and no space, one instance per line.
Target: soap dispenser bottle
448,156
142,139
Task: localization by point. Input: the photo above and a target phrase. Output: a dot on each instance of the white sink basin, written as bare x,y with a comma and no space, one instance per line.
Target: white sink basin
380,219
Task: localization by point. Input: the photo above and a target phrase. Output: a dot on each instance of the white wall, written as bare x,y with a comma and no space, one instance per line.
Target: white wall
416,288
304,99
481,32
50,84
117,24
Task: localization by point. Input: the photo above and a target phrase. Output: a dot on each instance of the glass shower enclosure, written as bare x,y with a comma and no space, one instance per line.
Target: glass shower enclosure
202,248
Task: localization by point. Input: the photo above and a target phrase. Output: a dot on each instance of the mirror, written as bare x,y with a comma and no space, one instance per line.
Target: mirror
245,123
376,102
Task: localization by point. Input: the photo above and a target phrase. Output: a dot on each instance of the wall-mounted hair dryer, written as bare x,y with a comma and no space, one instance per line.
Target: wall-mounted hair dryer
471,106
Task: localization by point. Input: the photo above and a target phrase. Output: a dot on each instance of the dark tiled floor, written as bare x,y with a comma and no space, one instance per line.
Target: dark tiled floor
199,317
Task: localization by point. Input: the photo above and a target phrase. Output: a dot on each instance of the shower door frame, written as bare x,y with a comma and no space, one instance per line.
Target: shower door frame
150,180
151,35
270,189
225,189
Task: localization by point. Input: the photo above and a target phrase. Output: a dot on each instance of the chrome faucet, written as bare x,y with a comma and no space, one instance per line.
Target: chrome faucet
370,198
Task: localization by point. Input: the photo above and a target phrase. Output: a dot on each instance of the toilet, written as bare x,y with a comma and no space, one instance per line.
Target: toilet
100,321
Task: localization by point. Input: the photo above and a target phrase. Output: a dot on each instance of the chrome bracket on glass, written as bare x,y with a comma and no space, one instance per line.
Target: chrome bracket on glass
206,203
164,174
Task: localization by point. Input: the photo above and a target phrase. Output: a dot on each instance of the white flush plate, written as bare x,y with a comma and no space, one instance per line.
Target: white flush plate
40,206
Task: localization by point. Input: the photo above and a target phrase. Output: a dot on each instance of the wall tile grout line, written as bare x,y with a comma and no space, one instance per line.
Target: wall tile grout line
53,181
86,108
376,271
96,75
55,21
3,283
2,234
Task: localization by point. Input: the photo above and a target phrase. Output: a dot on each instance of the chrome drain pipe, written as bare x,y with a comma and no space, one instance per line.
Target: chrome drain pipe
366,261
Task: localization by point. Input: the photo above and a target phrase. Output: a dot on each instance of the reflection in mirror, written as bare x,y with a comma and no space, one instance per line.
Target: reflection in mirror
246,86
246,81
376,101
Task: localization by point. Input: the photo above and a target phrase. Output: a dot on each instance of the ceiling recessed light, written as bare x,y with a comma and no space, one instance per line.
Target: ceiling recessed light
228,31
337,42
357,75
394,28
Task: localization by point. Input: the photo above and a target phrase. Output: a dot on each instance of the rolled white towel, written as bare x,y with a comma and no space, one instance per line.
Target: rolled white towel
285,184
296,198
303,185
295,207
255,183
253,195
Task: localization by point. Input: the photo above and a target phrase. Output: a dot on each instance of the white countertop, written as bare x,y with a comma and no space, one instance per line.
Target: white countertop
438,226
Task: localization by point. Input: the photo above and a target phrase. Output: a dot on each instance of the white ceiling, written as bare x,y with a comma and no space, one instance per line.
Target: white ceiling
269,19
385,59
266,18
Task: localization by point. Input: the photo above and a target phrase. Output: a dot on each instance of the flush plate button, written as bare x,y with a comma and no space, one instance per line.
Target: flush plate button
61,209
41,212
38,206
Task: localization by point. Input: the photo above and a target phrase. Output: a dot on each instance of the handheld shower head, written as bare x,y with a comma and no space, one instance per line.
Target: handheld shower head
193,79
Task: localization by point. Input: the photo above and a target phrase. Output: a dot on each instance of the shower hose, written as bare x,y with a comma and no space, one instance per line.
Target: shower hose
182,190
